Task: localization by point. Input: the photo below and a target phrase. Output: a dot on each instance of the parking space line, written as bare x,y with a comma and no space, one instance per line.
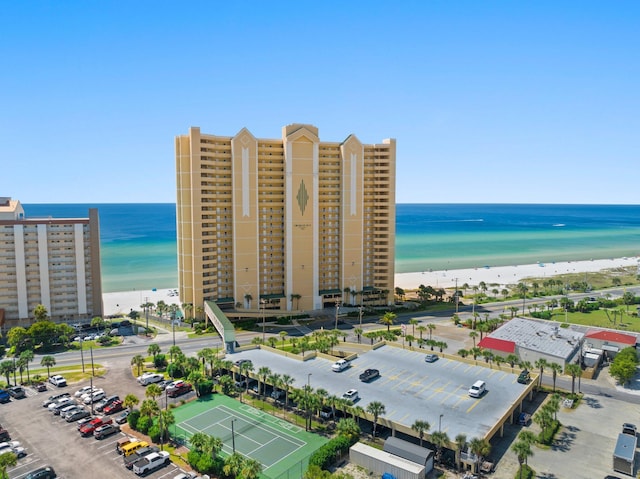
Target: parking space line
473,405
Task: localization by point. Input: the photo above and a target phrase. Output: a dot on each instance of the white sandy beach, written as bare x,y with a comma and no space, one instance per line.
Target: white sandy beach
124,302
504,275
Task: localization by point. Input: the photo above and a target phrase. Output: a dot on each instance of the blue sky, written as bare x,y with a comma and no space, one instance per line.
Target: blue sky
490,101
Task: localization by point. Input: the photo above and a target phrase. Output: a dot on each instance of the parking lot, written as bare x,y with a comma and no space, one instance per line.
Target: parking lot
410,388
51,441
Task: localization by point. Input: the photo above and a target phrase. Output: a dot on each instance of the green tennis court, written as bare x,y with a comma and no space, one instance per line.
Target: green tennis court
282,448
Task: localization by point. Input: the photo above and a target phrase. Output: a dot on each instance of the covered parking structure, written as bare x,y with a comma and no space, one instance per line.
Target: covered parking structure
412,389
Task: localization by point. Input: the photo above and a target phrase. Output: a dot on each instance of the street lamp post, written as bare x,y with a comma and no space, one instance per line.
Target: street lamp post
457,296
263,306
337,311
81,355
307,402
440,423
233,437
360,313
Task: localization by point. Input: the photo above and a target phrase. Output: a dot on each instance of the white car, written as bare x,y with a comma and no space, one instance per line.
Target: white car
58,380
149,378
95,397
83,390
340,365
351,395
62,402
14,447
90,393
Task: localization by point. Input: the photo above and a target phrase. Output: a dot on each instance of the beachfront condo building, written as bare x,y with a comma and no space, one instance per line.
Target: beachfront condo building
292,223
54,262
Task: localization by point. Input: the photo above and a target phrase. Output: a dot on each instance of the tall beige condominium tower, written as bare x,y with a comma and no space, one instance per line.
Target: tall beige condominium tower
50,261
293,223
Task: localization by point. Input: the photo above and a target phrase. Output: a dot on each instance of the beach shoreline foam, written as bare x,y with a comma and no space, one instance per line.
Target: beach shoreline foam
126,301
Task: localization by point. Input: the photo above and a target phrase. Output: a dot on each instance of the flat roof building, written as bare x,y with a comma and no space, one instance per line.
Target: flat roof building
293,223
50,261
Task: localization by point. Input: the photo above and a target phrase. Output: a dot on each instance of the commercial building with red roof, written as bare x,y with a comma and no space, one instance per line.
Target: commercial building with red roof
607,340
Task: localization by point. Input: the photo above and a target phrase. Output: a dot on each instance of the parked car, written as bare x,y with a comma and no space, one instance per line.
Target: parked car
150,378
277,393
12,446
91,426
179,390
524,376
340,365
40,387
77,415
17,392
351,395
326,412
95,397
84,390
4,435
122,418
84,421
105,430
60,403
113,408
106,402
369,374
5,397
524,419
58,380
46,472
151,462
86,395
628,428
431,358
131,459
70,408
53,398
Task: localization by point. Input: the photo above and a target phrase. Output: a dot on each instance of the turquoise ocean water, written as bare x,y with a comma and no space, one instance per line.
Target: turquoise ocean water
138,241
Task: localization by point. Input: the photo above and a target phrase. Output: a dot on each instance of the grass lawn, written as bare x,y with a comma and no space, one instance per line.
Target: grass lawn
599,319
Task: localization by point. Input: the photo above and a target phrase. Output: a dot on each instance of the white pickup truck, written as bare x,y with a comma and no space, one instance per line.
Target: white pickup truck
150,462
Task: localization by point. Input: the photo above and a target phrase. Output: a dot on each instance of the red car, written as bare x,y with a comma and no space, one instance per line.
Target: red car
89,428
113,408
179,390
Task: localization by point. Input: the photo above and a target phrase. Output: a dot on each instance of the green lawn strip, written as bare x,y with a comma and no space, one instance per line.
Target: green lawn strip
72,374
298,460
598,319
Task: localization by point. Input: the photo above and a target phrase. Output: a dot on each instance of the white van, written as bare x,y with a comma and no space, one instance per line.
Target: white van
477,389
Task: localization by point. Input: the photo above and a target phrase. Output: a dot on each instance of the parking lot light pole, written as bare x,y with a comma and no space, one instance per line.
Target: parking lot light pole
440,423
233,437
337,311
263,306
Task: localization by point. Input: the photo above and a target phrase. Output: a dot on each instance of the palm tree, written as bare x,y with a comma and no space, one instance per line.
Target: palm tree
8,459
166,418
283,335
196,378
523,451
376,409
388,319
149,408
461,442
358,332
422,328
575,371
440,439
431,327
233,464
522,289
130,401
174,351
245,368
421,427
138,362
250,469
6,368
27,356
286,381
512,359
263,372
48,362
480,448
206,354
297,297
248,298
413,322
153,350
348,427
199,441
153,391
541,363
473,335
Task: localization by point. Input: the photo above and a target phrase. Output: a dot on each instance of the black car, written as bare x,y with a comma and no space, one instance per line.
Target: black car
17,392
42,473
369,374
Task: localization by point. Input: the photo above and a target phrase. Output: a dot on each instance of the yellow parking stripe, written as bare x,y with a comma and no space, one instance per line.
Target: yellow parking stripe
473,405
